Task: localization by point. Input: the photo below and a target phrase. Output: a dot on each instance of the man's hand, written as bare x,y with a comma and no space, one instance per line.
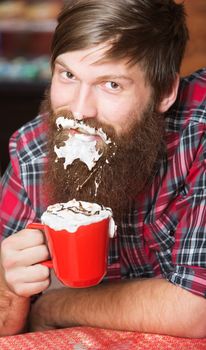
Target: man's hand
46,311
21,255
39,319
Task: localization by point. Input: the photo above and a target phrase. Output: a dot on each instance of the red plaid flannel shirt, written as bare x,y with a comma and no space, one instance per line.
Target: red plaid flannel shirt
164,232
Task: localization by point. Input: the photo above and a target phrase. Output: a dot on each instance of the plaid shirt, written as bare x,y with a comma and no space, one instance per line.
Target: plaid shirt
164,233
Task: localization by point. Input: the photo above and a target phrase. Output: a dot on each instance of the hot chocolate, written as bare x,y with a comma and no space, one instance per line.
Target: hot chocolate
73,214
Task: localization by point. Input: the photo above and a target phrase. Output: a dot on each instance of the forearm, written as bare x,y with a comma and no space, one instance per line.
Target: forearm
151,305
13,310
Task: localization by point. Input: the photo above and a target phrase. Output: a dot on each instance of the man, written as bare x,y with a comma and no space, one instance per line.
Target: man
115,68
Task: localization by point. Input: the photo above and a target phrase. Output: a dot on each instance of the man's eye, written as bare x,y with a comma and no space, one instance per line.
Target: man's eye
112,85
67,75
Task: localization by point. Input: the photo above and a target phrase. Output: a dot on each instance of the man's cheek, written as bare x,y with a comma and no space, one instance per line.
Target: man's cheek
58,100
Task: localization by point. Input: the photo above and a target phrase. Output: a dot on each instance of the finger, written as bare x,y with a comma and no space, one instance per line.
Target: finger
29,289
36,273
33,255
23,239
26,257
31,274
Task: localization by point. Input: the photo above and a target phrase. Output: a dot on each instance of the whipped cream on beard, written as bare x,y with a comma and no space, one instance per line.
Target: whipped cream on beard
126,166
81,145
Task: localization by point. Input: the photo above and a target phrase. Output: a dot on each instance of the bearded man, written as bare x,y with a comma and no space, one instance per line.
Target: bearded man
118,128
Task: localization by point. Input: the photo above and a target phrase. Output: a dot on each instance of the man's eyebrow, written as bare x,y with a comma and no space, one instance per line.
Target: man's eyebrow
107,77
110,77
59,61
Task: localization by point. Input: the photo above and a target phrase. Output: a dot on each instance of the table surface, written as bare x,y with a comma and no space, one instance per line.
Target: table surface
83,338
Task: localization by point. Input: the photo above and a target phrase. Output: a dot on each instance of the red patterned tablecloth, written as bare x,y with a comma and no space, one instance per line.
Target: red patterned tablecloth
83,338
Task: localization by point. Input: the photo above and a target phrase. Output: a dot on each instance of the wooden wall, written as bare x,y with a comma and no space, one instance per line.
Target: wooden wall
195,56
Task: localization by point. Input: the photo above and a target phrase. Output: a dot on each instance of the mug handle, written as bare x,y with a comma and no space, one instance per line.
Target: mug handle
39,226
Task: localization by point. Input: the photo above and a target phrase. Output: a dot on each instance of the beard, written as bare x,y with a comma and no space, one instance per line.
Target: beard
125,169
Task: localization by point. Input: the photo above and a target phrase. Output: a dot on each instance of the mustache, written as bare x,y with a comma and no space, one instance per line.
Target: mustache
64,119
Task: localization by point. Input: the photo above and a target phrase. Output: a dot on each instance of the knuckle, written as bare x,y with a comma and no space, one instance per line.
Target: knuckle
22,290
11,278
44,252
46,283
8,254
43,272
40,286
8,261
37,235
5,246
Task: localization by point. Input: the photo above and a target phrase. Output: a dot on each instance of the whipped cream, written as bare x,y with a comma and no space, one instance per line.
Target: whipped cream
73,214
77,148
80,145
66,123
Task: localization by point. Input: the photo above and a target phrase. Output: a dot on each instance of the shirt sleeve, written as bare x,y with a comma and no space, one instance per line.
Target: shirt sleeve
21,184
189,250
15,206
177,236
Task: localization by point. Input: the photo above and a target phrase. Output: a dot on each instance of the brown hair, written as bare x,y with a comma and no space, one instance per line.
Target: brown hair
152,32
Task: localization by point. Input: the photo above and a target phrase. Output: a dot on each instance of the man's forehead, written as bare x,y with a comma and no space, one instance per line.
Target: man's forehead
101,53
96,54
93,55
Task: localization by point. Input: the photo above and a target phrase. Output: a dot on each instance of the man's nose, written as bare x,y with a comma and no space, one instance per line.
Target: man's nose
84,104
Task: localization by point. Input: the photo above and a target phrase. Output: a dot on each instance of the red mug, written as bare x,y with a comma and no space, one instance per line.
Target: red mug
79,258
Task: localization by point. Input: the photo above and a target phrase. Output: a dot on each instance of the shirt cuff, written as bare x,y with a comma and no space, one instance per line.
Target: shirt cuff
191,278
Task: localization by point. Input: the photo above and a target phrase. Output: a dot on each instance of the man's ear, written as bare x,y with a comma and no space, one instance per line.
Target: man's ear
168,100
